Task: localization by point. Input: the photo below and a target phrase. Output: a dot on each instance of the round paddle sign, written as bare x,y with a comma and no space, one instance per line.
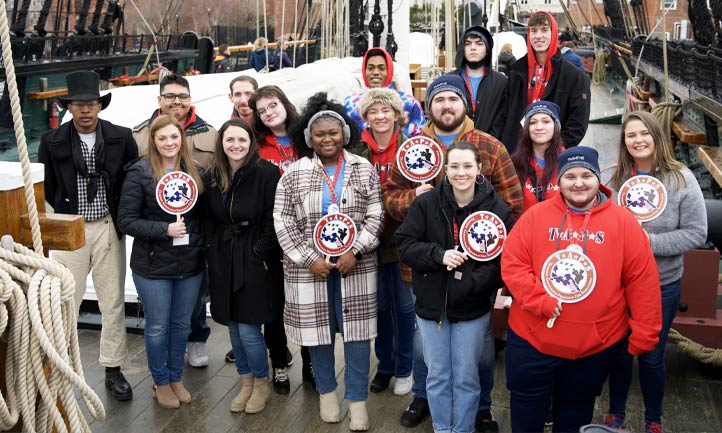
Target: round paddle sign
420,159
645,196
482,235
568,276
176,192
334,234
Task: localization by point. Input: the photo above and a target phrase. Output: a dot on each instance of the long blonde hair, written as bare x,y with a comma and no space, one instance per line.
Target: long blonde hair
662,158
184,162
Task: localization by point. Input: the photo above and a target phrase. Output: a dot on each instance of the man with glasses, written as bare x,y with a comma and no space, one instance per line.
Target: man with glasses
175,100
84,174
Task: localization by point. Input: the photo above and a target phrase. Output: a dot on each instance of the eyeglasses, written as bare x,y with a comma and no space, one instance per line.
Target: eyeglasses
170,97
260,112
84,104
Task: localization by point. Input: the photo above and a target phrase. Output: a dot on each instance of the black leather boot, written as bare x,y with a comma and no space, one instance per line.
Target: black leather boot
116,383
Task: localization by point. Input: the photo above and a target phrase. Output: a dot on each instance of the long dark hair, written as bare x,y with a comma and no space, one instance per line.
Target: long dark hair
316,103
525,152
221,167
270,92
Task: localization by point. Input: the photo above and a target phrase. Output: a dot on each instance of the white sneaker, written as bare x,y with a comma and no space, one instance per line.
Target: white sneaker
402,386
197,354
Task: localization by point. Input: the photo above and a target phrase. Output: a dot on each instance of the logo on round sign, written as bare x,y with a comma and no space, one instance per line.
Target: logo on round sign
482,235
176,192
569,276
645,196
334,234
420,159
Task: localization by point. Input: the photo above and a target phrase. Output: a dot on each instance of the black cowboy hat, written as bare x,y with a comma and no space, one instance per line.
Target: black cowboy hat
84,85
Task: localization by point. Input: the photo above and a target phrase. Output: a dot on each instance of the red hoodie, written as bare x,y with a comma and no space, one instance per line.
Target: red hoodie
539,75
278,155
627,281
529,189
382,159
389,66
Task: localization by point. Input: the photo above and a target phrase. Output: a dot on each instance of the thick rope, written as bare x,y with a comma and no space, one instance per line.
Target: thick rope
695,350
665,112
599,73
46,330
19,128
295,32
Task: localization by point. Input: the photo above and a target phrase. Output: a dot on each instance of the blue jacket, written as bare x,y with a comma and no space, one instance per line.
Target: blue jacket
573,58
278,57
257,59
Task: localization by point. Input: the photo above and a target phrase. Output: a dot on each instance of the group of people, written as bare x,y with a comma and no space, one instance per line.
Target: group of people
271,173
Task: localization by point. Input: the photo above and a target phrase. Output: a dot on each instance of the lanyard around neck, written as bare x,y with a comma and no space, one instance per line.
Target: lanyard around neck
332,184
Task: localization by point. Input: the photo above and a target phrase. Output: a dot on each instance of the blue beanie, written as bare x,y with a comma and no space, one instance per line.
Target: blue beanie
449,82
579,156
546,107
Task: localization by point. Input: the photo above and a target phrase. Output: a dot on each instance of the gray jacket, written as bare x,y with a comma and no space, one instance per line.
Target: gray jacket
680,228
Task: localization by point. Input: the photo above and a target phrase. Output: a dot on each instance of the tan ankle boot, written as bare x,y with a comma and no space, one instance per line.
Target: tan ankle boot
181,392
329,409
165,396
239,402
359,416
259,397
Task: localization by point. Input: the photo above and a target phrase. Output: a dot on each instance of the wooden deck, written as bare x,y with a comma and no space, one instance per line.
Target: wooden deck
693,401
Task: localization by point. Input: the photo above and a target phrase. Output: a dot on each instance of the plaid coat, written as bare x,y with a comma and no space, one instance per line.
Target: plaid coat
296,211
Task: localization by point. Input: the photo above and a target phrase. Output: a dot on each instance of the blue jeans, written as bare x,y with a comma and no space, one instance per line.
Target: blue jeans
167,306
200,331
396,323
249,348
486,365
452,353
652,372
356,353
572,386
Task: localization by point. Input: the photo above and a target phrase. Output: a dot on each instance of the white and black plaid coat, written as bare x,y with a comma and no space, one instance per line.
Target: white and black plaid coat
296,211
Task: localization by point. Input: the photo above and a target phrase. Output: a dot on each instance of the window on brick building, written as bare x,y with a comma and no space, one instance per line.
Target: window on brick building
669,4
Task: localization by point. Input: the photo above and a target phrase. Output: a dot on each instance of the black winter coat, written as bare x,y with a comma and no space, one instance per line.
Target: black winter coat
139,215
491,103
244,259
424,236
61,183
504,62
568,88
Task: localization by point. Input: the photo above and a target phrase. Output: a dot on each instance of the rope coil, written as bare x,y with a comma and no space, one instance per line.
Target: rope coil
37,313
37,295
695,350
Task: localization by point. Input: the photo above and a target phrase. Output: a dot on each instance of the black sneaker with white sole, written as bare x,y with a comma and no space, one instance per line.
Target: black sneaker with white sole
417,411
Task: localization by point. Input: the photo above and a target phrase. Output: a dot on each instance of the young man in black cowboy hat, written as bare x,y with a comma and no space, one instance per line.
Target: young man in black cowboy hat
84,174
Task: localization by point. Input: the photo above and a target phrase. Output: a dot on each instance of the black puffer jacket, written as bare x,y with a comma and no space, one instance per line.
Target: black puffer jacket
424,236
139,215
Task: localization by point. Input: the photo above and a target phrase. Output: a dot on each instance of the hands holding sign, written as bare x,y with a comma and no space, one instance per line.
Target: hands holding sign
177,229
